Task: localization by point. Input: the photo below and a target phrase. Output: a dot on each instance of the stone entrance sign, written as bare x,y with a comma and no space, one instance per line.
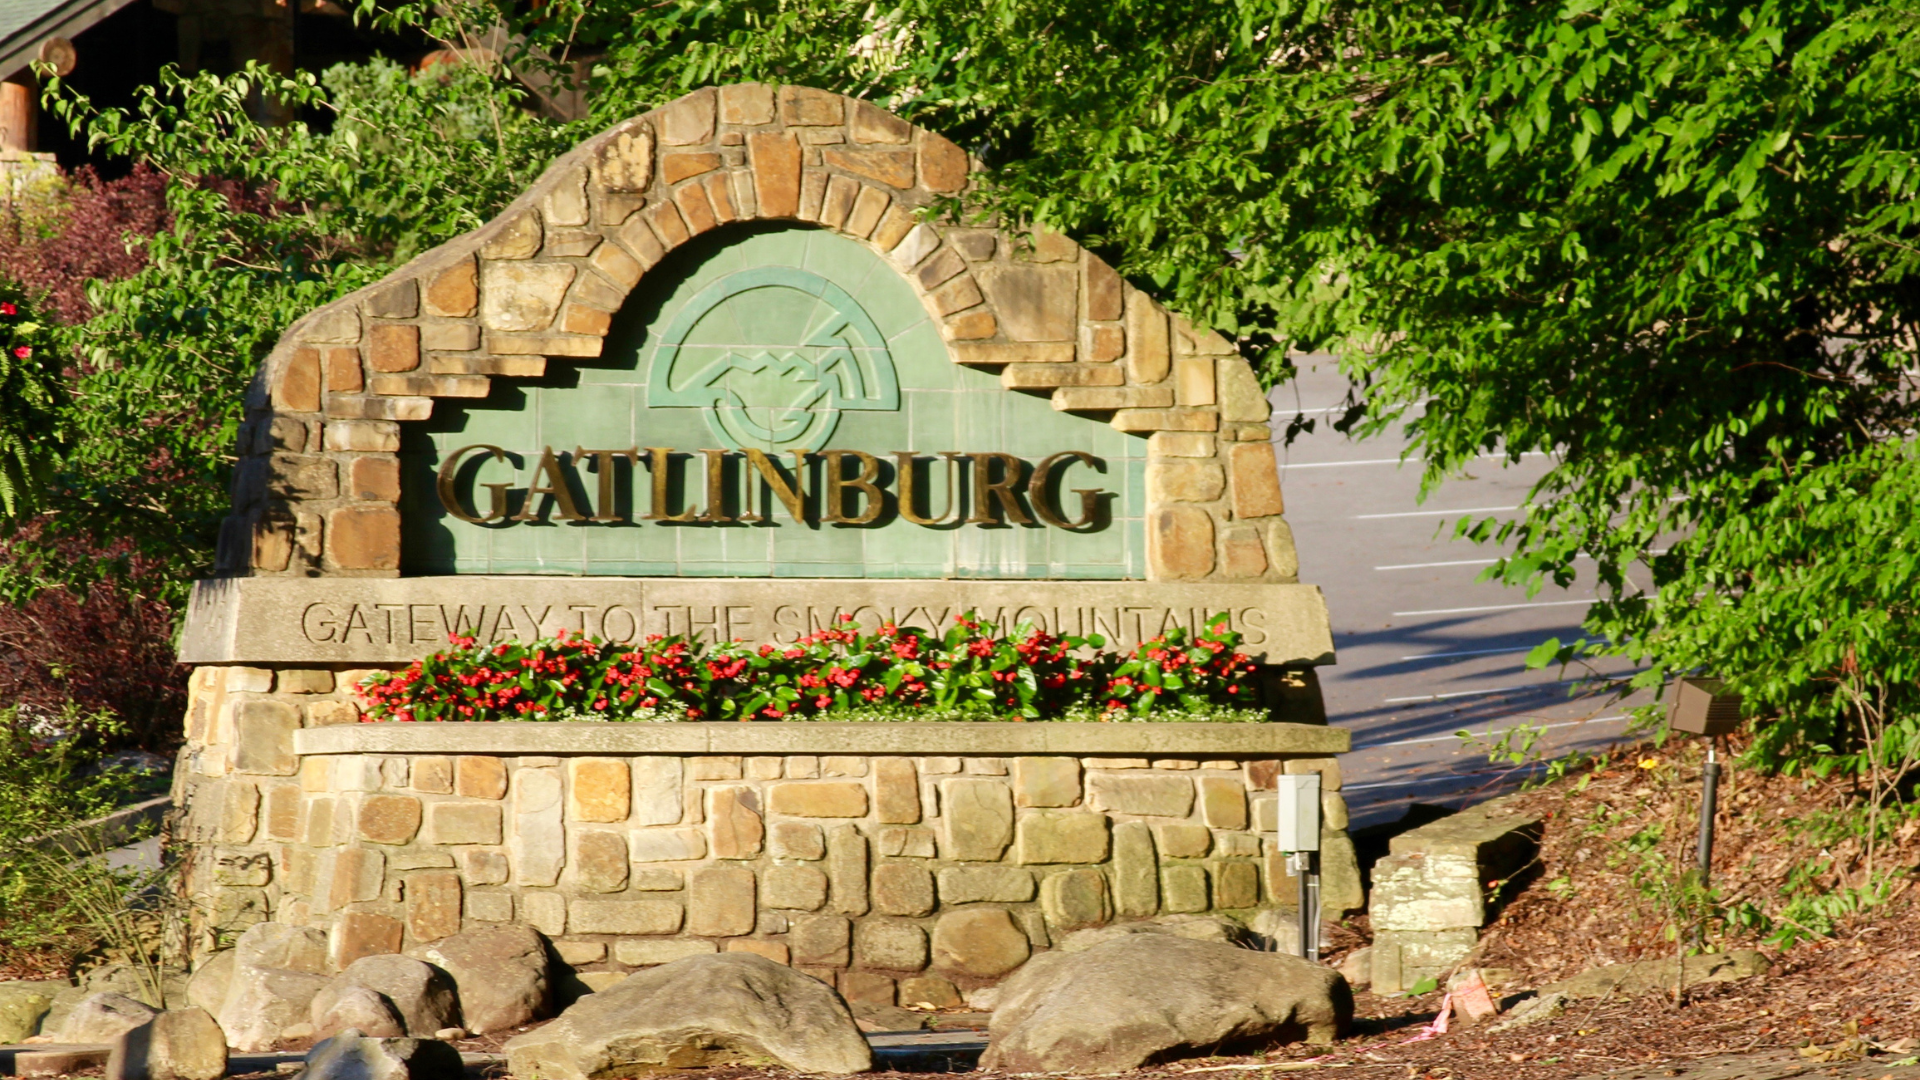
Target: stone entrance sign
736,368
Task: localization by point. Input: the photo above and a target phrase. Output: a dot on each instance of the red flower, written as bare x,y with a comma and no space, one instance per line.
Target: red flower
7,309
22,351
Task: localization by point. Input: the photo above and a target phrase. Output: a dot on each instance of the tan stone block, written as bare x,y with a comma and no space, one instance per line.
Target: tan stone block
1104,290
714,767
1238,845
688,120
867,211
1148,358
495,907
547,912
263,736
959,294
374,479
657,790
624,916
329,713
1034,303
647,953
980,943
866,988
1184,480
896,790
433,775
299,387
1184,889
800,888
818,800
972,325
666,845
1281,552
1153,796
1223,802
803,767
1333,811
939,766
389,819
1193,381
1256,481
358,874
1176,764
746,103
364,538
597,859
1174,419
1241,399
843,765
906,842
433,904
847,869
979,819
943,166
1046,781
985,884
677,167
764,768
734,816
581,952
695,209
889,945
891,167
656,879
360,934
1075,899
518,238
599,789
894,227
798,840
319,825
478,777
902,889
1061,836
284,812
1136,871
776,163
1186,444
454,291
1327,767
820,940
720,901
1179,543
1241,553
625,165
802,106
1183,840
306,681
872,125
523,296
393,347
344,374
929,992
1236,885
772,950
484,866
419,859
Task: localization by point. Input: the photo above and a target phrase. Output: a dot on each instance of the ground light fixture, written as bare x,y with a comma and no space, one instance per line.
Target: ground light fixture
1699,708
1298,834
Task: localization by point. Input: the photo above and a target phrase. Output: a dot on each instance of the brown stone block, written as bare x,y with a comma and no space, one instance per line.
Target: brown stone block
972,325
894,226
1104,290
1046,781
374,479
908,843
263,736
873,125
1241,553
802,106
1105,344
283,812
957,295
389,819
598,859
360,934
1061,836
695,208
1034,303
363,436
902,889
772,950
393,347
838,201
455,291
978,942
677,167
945,264
720,901
1148,357
896,787
1256,481
1075,899
463,822
1179,543
1262,774
797,888
300,477
943,166
720,195
344,375
299,386
891,167
734,816
433,905
600,789
818,800
484,867
847,869
358,874
1327,767
867,211
798,840
480,777
775,159
1236,885
746,103
820,940
364,538
1184,480
668,225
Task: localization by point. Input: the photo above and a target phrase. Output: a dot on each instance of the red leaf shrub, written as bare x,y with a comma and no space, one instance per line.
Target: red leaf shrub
62,233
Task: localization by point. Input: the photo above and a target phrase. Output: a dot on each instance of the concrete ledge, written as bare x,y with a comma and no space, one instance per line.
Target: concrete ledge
991,739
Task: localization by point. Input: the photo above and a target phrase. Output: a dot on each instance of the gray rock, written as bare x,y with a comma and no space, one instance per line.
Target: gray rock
422,994
102,1018
277,945
65,999
718,1009
353,1056
135,982
180,1044
22,1006
343,1004
1648,976
1357,968
207,988
501,973
1532,1011
1193,927
1126,1001
263,1002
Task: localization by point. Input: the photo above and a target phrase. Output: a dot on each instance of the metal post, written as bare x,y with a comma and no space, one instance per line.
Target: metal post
1709,803
1306,875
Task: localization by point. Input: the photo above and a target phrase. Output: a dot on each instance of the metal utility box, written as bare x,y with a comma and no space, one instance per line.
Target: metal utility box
1298,813
1699,708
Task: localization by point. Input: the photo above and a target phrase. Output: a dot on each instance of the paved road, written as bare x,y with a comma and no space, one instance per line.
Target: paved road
1424,650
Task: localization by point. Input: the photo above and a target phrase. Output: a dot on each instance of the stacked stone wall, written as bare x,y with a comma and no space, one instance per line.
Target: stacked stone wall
865,869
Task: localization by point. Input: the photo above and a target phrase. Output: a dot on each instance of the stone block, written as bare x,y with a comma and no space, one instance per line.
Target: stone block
599,789
985,884
624,916
891,167
433,904
746,103
1329,770
1256,481
843,765
626,162
581,952
889,945
523,296
818,800
484,866
775,159
666,845
1148,357
765,768
943,166
798,840
866,988
263,736
656,879
847,869
802,106
902,842
1242,555
1103,290
463,823
1184,480
1236,885
797,888
1184,841
299,387
902,889
284,812
359,934
1193,380
537,844
1179,543
734,819
1147,795
896,791
802,767
358,874
1034,303
1402,958
1241,399
1237,845
1191,444
1062,836
1340,889
644,953
772,950
1046,781
392,348
820,940
714,767
1184,889
363,537
490,906
720,901
1223,802
1136,872
329,713
1075,899
454,291
979,819
657,794
597,861
980,943
389,819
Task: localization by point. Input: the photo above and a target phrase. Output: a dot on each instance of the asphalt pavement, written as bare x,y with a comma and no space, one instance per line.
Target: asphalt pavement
1424,650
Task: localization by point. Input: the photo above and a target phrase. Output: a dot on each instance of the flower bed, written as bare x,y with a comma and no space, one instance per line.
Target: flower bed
972,672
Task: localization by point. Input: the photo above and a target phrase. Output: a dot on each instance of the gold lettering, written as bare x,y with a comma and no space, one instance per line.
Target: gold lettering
660,463
987,490
716,487
607,504
1047,505
837,483
555,485
450,498
909,489
791,495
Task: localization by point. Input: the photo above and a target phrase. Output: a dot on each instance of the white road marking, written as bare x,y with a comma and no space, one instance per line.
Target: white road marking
1489,733
1429,565
1466,652
1434,513
1337,464
1492,607
1468,693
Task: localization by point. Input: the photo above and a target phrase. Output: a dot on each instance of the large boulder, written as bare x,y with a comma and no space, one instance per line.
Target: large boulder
341,1005
353,1056
207,987
137,983
719,1009
22,1006
1195,927
1125,1002
422,994
262,1002
180,1044
501,973
277,945
102,1018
